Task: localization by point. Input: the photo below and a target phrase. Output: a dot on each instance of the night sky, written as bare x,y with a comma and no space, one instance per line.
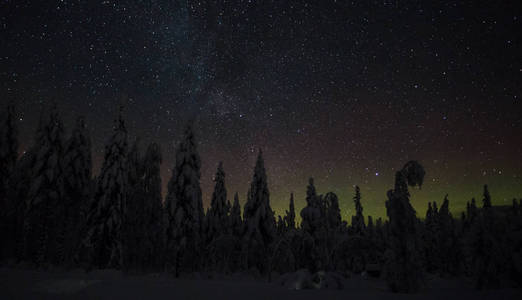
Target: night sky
344,91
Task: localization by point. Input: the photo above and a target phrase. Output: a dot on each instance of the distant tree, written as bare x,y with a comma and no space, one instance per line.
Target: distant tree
8,152
403,268
430,241
314,225
185,207
472,210
370,228
289,218
358,220
259,220
133,218
45,207
450,259
17,196
217,216
312,213
515,208
8,157
102,246
333,212
280,226
150,187
236,223
487,197
77,165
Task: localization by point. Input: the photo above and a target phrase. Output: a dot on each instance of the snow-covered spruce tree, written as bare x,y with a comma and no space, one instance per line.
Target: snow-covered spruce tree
312,213
486,239
151,202
133,226
102,246
17,196
358,220
8,157
289,218
314,227
45,206
217,215
430,241
333,212
403,267
184,207
77,164
449,249
222,245
259,221
236,223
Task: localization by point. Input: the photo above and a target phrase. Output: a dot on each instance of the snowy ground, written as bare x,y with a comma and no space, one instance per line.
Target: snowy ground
24,284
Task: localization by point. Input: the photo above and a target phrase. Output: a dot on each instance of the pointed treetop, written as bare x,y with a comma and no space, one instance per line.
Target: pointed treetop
487,197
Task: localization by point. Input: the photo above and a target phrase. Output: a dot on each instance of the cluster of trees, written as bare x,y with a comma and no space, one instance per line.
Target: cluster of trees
55,213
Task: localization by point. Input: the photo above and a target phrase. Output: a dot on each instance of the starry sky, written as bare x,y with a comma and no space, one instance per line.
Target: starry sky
342,91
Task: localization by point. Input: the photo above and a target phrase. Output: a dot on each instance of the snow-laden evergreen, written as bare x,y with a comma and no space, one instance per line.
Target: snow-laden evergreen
153,240
184,207
312,214
45,202
333,211
315,226
8,157
77,164
289,218
259,220
236,222
403,260
102,246
358,220
133,228
217,216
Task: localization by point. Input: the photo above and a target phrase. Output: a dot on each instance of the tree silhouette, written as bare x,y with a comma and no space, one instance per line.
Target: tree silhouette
403,266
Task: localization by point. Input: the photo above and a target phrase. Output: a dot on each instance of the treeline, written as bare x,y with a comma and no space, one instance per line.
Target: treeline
54,213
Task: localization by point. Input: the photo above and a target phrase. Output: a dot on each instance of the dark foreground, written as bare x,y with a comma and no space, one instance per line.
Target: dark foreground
108,284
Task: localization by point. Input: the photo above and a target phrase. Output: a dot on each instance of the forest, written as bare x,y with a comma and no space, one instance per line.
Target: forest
55,212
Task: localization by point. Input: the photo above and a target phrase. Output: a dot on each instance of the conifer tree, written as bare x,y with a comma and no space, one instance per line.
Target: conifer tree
487,197
259,220
290,214
430,235
45,199
358,219
18,194
78,172
403,268
217,216
133,226
333,212
312,214
449,256
8,157
8,152
370,228
315,226
236,223
102,246
150,188
184,207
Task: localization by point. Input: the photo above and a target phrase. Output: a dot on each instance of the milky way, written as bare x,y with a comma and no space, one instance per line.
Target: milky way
343,92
